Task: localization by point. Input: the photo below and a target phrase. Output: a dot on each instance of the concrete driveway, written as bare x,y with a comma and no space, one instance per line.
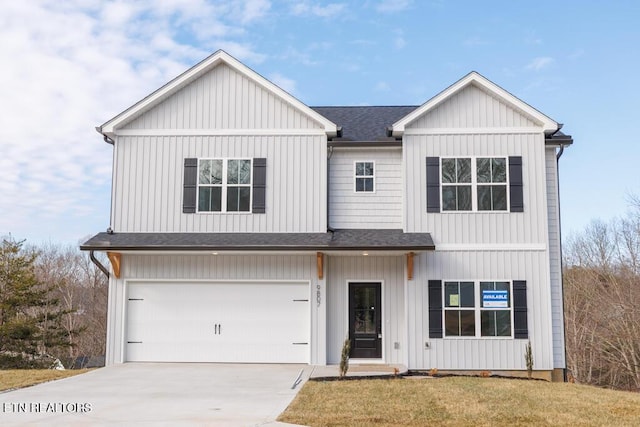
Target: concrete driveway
157,394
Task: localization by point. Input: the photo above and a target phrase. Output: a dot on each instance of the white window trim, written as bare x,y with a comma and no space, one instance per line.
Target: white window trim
478,309
224,185
474,184
355,176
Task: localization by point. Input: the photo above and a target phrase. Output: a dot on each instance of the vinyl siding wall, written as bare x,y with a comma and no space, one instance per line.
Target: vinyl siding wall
480,353
386,269
472,107
379,209
528,227
223,99
148,179
480,245
183,268
555,257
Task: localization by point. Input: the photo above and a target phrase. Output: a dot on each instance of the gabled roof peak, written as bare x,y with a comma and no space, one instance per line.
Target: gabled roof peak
207,64
476,79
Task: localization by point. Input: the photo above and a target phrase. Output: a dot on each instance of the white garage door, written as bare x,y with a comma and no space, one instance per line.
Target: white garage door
218,322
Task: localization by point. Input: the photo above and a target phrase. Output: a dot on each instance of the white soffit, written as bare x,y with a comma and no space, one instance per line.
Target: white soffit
475,78
219,57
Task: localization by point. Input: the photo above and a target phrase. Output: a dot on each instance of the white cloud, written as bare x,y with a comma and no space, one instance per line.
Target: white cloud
253,10
576,54
72,66
313,9
390,6
474,41
540,63
399,42
283,82
382,87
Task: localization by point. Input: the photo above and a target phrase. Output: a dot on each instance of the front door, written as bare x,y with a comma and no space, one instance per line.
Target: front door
365,320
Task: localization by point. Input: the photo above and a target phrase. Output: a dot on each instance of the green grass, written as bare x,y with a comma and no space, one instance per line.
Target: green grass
461,402
18,378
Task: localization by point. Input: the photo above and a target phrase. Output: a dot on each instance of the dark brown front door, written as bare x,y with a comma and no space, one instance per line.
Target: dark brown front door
365,320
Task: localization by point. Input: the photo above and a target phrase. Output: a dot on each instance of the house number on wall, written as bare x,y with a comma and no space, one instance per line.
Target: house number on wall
318,295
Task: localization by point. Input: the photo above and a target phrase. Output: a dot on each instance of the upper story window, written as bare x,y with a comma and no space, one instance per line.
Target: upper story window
477,309
364,177
224,185
474,184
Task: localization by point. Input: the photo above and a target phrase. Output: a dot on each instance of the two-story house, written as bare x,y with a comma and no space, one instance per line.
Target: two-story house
248,227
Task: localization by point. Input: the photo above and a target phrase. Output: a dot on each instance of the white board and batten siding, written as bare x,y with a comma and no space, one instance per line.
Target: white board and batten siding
257,278
388,270
480,353
223,99
148,183
480,245
222,114
381,209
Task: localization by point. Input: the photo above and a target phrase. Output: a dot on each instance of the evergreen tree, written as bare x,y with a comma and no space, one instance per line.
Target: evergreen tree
29,317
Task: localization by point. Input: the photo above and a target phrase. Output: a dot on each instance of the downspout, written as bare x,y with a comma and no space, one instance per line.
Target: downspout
564,323
113,165
98,264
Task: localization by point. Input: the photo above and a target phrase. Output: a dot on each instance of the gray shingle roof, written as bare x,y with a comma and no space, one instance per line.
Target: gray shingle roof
338,240
365,123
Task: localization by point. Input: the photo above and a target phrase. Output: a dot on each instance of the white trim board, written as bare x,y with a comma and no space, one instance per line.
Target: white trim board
220,132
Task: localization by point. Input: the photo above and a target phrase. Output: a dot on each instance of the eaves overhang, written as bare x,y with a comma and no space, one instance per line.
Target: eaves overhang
338,240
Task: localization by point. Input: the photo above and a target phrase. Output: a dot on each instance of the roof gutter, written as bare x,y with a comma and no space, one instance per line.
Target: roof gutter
106,138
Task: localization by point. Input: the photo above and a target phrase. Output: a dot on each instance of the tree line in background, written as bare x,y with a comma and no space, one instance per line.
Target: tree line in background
53,303
602,302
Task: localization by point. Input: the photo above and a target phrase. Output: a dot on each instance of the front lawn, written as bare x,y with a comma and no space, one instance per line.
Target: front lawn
18,378
459,401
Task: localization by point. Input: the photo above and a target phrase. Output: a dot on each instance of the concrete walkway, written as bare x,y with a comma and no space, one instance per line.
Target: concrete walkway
159,394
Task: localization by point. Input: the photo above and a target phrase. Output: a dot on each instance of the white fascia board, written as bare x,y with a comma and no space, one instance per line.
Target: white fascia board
153,99
547,124
219,132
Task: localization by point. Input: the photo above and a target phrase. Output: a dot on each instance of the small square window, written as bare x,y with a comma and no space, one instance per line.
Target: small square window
364,177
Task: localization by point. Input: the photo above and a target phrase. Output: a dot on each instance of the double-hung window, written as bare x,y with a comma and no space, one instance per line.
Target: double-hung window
364,177
495,309
477,309
491,173
224,185
474,184
456,184
459,309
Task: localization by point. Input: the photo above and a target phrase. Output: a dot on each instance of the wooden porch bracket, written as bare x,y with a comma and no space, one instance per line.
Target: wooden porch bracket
320,262
116,261
410,266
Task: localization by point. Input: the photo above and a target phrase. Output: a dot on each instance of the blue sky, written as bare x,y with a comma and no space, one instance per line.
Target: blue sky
70,66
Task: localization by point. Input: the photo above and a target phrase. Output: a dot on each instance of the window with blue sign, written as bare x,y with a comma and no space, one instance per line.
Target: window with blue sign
477,309
495,309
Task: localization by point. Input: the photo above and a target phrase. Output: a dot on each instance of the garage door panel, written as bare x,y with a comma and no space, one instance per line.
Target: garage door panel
218,322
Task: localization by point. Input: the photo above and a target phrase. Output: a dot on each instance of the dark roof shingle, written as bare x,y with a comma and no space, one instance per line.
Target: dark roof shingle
368,123
351,239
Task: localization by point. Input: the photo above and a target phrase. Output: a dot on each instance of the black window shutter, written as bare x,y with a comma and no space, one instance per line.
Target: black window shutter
435,308
433,184
259,185
189,185
520,328
515,184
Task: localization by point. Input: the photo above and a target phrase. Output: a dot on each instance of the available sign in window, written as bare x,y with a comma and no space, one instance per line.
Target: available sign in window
495,299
